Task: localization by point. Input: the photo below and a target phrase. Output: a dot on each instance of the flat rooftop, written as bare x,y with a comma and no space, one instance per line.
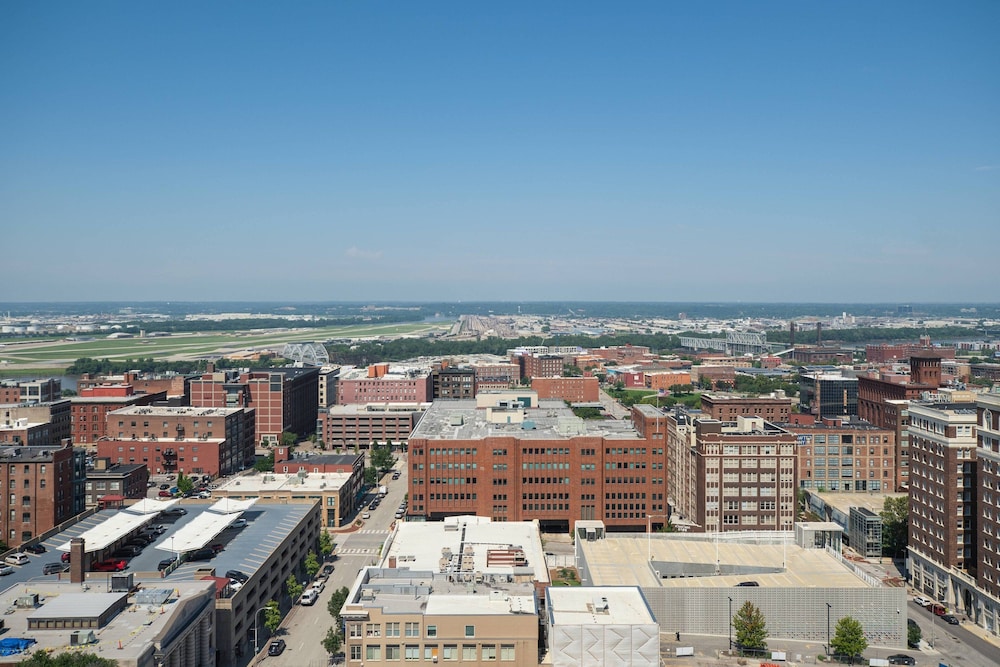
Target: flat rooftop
474,544
624,560
607,605
395,373
874,502
551,420
357,409
166,411
315,482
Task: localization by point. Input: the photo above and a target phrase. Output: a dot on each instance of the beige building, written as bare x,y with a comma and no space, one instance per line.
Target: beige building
331,490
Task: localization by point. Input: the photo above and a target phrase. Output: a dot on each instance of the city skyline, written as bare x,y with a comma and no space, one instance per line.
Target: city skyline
770,152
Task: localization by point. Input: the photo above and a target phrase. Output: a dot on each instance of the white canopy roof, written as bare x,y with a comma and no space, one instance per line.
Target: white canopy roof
206,526
108,532
230,506
150,506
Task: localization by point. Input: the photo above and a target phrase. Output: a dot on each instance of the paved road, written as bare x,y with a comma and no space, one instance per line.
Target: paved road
954,644
305,627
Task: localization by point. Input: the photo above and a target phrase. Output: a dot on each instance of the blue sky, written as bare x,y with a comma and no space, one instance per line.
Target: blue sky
763,151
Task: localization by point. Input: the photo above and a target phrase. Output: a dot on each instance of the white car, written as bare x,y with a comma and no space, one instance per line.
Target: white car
17,558
7,569
922,601
205,495
366,515
239,523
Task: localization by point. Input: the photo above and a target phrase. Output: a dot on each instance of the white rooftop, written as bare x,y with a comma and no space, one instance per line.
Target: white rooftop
116,527
591,605
204,527
479,605
270,482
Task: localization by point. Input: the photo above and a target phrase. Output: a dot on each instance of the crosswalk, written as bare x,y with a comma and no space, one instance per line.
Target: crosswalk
371,531
360,550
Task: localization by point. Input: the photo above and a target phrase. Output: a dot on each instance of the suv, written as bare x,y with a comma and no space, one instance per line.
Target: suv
165,563
205,553
17,558
238,576
276,647
52,568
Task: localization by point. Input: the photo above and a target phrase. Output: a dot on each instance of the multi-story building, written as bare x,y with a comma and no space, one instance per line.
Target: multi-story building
336,493
836,455
39,487
453,382
24,432
664,380
326,384
57,414
89,410
987,612
885,353
378,383
119,480
283,399
829,395
623,354
30,391
942,521
572,389
204,441
342,426
821,355
177,386
498,458
774,407
541,364
496,375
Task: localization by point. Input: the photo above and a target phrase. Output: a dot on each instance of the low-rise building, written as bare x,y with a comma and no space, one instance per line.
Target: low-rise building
344,426
335,493
91,407
572,389
588,626
120,480
57,414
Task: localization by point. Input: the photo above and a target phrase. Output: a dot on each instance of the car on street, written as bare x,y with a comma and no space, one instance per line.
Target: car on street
165,563
400,514
938,610
110,565
5,570
53,568
366,515
922,601
328,569
901,659
35,549
951,619
373,507
276,647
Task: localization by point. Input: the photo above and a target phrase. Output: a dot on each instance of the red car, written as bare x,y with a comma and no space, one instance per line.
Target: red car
65,557
112,565
165,494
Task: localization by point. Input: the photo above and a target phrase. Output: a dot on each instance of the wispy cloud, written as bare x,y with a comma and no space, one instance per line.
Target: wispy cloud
357,253
988,167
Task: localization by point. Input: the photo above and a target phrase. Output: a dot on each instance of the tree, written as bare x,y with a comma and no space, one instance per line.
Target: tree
382,458
332,641
293,587
272,616
184,483
895,527
750,627
325,544
265,464
849,638
572,370
288,439
337,600
371,476
312,564
44,659
913,635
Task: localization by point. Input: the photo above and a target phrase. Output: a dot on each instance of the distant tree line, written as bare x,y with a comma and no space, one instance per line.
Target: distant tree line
181,326
871,334
151,365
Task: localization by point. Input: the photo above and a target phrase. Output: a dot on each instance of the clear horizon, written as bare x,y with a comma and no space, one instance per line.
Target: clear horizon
771,152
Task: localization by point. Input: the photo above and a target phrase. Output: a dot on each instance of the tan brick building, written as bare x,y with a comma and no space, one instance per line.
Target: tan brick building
728,408
572,389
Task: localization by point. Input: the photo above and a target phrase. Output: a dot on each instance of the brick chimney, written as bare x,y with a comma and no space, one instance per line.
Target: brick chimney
77,561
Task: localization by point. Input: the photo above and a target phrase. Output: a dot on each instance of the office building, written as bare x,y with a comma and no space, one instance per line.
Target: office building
572,389
359,425
838,455
30,391
829,395
89,410
56,414
379,383
774,407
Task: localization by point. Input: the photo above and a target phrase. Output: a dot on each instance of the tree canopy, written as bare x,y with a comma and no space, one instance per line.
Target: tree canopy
337,600
312,564
849,638
332,641
750,628
44,659
325,543
382,458
272,616
895,528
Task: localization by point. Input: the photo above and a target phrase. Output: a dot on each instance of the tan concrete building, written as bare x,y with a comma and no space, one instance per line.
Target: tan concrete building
335,492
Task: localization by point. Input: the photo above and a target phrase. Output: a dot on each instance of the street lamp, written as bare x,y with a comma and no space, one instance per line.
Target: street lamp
730,624
828,605
256,646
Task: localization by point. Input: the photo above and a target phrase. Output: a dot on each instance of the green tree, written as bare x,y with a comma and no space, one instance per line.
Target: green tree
382,458
913,635
325,543
750,627
337,600
895,526
572,371
312,564
66,393
288,439
265,464
332,641
44,659
272,616
371,476
849,638
293,587
184,483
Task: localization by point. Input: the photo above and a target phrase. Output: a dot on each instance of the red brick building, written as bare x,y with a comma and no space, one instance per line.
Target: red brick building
572,389
345,426
496,376
623,354
89,410
988,512
282,399
30,391
728,408
543,365
838,456
57,415
38,496
886,353
204,441
177,387
515,464
378,384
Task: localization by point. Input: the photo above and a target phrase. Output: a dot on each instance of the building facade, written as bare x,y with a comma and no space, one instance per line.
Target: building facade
346,426
39,487
572,389
773,408
380,384
845,456
89,410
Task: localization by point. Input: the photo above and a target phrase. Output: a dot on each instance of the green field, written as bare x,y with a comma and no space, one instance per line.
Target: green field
54,354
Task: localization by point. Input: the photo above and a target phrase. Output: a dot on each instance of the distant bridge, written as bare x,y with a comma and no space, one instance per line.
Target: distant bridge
314,354
735,343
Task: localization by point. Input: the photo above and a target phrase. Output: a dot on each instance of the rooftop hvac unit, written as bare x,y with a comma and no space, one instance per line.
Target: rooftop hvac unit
122,583
28,601
82,637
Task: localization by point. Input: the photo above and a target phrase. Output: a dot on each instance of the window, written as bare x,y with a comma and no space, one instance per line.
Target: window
355,653
432,631
373,652
489,652
430,652
392,629
412,629
469,652
507,652
449,652
412,652
470,631
392,651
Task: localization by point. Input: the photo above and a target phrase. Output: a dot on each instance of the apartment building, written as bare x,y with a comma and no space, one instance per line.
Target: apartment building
572,389
204,441
56,414
829,395
379,383
30,391
774,407
987,611
177,386
499,458
282,399
453,382
837,455
39,484
89,410
344,426
541,364
497,375
107,480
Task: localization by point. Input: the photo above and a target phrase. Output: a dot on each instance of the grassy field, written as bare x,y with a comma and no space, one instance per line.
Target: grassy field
55,354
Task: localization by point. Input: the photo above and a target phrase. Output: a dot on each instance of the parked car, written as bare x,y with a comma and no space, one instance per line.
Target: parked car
53,568
164,487
165,563
328,569
922,601
17,558
748,583
175,511
373,506
110,565
938,610
205,495
165,494
239,523
238,576
276,647
901,659
65,557
127,551
400,514
35,549
319,584
205,553
366,515
309,597
951,619
5,570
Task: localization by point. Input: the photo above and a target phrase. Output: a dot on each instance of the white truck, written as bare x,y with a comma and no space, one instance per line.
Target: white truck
382,490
